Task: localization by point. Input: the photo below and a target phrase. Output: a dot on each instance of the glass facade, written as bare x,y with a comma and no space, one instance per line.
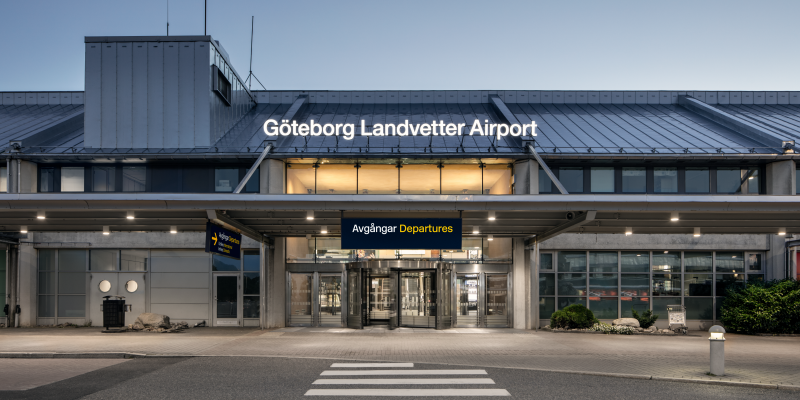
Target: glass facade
329,250
612,283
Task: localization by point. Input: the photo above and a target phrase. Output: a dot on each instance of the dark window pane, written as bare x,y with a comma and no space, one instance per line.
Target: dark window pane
198,180
251,260
754,262
250,307
697,284
547,285
728,180
71,282
133,260
660,306
602,179
634,180
252,283
72,260
226,179
603,307
134,179
635,285
546,261
564,302
667,285
220,263
699,308
547,306
103,179
668,261
730,261
728,281
571,284
665,180
167,180
71,306
635,261
46,179
545,183
697,180
571,178
753,181
252,186
603,285
697,261
47,306
602,261
572,261
640,304
755,278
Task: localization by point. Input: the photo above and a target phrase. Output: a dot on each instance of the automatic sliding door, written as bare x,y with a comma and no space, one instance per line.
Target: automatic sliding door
300,307
329,300
496,300
467,300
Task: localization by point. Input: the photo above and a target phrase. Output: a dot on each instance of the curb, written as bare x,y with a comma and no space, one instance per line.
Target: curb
590,373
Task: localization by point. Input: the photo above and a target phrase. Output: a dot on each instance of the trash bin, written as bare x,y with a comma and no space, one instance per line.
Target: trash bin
114,312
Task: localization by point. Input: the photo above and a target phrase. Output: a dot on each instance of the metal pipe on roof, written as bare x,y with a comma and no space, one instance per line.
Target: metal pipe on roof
546,169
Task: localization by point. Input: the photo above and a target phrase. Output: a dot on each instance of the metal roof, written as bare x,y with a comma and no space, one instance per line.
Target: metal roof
19,122
784,119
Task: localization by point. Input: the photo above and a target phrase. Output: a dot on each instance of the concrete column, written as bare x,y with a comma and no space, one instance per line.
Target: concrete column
273,176
775,264
276,286
521,285
265,252
12,283
22,176
28,279
533,301
780,178
526,177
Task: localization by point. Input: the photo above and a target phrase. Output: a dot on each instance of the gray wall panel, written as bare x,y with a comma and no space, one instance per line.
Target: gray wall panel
139,96
771,97
186,95
581,97
179,253
202,92
108,106
124,134
735,97
171,94
155,95
723,98
31,99
53,99
794,97
617,98
179,295
783,97
197,280
711,98
92,109
19,99
183,312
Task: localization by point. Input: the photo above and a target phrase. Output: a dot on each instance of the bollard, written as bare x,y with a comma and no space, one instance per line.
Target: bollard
717,341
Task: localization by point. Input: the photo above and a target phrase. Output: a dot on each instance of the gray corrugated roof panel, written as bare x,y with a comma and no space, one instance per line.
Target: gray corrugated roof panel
21,121
780,119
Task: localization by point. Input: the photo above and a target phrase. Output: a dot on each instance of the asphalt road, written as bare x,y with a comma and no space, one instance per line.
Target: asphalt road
258,377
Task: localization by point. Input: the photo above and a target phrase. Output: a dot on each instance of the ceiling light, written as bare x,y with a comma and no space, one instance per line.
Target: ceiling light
696,232
324,230
23,229
674,216
491,216
666,252
40,215
173,229
130,215
309,215
476,230
628,231
491,237
106,231
782,232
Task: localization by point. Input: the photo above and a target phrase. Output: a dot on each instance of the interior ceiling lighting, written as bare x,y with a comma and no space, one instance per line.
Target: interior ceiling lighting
173,229
324,230
782,231
492,216
696,232
674,217
23,229
309,215
476,230
130,215
40,215
491,237
106,231
628,231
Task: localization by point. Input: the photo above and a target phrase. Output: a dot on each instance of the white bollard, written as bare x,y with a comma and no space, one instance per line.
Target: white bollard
717,342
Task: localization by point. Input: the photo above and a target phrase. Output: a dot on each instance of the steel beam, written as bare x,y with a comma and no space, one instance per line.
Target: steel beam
579,220
546,169
252,169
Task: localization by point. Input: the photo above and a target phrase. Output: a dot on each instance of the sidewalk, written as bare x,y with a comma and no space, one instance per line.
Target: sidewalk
750,359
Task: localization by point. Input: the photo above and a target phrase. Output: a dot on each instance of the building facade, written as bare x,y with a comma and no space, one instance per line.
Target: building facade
619,200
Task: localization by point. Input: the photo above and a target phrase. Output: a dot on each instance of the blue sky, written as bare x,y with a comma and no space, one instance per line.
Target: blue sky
434,44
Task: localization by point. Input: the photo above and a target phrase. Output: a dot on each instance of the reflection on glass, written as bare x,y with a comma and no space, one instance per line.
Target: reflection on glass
603,261
227,296
572,261
330,250
299,249
461,179
697,261
660,305
546,261
330,300
697,284
419,179
634,180
728,180
133,260
753,181
665,180
545,183
603,285
727,282
564,302
378,179
46,179
300,179
571,178
496,294
225,179
571,284
103,179
300,299
730,261
467,297
668,261
667,285
418,299
635,261
635,285
498,249
380,298
754,262
547,306
496,179
699,308
134,179
640,304
602,179
220,263
103,260
72,179
547,284
336,179
603,307
697,180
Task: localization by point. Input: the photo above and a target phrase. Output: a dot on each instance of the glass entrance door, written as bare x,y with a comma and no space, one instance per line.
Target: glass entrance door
355,303
226,300
496,303
300,308
314,299
482,300
329,300
467,300
418,299
380,300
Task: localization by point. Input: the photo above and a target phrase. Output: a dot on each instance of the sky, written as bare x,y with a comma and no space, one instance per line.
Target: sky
433,44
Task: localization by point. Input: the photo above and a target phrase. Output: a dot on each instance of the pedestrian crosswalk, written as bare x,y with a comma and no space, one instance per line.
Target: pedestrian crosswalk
410,377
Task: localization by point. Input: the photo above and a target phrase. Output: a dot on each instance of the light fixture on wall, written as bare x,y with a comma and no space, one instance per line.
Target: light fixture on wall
490,238
782,232
173,229
130,215
696,232
106,230
40,215
674,217
628,231
309,215
476,229
324,230
492,216
23,229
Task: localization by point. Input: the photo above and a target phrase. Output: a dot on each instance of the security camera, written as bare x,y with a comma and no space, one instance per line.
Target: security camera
570,215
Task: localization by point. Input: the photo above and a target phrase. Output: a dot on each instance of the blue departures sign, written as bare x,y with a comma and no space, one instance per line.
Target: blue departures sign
222,241
401,233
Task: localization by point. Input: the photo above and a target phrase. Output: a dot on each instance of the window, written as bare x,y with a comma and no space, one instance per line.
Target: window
300,179
730,262
133,260
697,261
496,179
134,179
571,261
220,263
602,179
635,261
222,86
668,261
47,180
753,181
634,180
3,179
728,180
545,183
665,180
253,185
797,182
420,179
104,260
546,261
226,179
72,179
251,261
336,179
697,180
378,179
47,284
71,283
461,179
103,179
571,178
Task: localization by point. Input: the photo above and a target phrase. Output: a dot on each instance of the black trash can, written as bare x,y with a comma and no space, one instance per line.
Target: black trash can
113,312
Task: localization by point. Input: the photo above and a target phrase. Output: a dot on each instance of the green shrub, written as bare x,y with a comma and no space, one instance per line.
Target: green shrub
575,316
771,307
646,320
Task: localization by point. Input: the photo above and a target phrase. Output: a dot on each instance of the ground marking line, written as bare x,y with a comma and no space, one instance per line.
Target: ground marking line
409,372
417,381
372,365
408,392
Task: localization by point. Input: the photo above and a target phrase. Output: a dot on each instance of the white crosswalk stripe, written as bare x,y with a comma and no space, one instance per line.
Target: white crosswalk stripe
373,391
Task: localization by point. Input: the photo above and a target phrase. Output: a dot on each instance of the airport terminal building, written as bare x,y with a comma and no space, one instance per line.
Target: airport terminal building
438,209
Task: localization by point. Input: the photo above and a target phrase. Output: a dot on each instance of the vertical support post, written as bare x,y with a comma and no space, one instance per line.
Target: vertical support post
12,273
263,268
534,260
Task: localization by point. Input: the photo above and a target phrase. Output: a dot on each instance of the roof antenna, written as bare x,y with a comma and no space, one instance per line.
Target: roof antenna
251,74
167,17
205,18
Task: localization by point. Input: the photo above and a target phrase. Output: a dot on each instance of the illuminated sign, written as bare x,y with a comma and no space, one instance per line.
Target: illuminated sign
222,241
348,131
401,233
